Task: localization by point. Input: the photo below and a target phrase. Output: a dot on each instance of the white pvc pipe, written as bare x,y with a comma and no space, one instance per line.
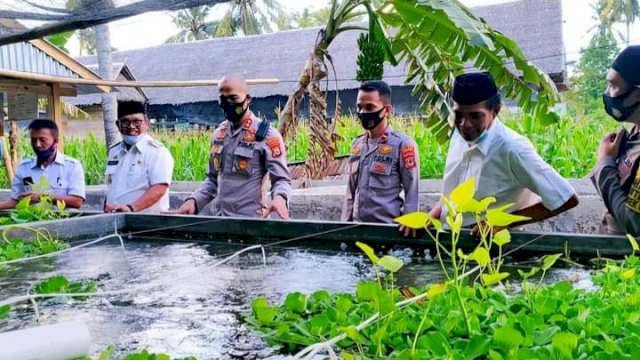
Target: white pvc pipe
61,341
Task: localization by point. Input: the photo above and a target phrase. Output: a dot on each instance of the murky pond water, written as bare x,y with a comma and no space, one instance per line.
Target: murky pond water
181,304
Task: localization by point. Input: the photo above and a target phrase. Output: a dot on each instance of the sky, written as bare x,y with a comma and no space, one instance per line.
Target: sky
153,29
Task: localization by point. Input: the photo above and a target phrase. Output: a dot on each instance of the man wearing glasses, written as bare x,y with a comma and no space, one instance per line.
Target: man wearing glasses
139,169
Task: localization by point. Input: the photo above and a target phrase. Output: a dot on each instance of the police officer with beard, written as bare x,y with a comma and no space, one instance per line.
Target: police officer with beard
617,173
243,149
383,163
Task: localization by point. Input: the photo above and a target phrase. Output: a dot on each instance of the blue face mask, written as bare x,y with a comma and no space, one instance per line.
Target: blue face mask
483,136
131,139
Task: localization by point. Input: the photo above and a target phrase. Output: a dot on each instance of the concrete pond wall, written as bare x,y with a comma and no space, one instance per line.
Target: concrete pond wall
323,201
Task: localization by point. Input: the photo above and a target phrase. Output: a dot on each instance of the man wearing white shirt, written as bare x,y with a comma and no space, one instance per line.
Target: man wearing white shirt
504,164
139,169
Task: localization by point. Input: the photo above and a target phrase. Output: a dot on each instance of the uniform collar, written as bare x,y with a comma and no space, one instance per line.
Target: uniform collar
59,159
485,145
138,146
247,122
382,138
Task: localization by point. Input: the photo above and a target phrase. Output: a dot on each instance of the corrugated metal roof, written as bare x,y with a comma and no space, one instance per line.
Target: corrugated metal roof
28,58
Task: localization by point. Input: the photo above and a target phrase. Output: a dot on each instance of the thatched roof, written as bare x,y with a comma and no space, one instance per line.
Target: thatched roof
536,25
121,72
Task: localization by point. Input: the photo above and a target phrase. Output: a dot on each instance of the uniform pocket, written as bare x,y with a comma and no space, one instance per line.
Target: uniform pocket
135,174
380,177
242,161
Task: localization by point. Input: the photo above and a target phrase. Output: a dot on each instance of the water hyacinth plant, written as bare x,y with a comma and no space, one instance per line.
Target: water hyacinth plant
466,316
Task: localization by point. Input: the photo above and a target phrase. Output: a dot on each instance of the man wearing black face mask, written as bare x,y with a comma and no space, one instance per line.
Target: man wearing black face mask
617,173
383,162
63,174
243,150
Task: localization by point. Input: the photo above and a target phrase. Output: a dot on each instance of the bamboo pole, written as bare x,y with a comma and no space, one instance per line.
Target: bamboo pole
147,84
13,142
54,112
5,150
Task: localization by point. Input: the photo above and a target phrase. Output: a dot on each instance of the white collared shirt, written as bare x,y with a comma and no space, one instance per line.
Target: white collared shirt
65,176
507,167
130,173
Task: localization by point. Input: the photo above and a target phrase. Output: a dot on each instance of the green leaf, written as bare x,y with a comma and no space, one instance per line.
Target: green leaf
415,220
633,242
502,237
436,343
507,338
477,346
498,217
481,256
367,291
549,260
492,279
296,302
391,263
463,192
369,252
565,343
455,222
4,311
106,354
54,284
528,274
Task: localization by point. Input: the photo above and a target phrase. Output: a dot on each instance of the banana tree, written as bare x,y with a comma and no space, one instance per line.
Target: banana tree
323,134
438,40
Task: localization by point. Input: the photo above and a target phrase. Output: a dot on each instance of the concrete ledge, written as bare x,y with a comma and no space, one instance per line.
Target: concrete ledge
323,201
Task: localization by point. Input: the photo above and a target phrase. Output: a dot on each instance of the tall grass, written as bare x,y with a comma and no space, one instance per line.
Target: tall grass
569,146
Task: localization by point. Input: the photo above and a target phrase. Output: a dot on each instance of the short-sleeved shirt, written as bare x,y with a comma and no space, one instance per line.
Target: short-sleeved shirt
238,163
506,166
131,172
379,171
65,176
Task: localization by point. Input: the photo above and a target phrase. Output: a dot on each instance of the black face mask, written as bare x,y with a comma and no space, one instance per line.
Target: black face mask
232,111
370,120
44,155
615,106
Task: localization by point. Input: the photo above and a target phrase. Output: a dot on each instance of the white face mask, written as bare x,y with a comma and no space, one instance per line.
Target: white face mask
131,139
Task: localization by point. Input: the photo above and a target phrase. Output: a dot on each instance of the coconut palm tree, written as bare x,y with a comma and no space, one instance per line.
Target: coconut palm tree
193,25
619,11
248,17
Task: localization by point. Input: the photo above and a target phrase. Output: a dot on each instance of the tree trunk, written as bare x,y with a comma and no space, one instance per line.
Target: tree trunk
105,69
287,120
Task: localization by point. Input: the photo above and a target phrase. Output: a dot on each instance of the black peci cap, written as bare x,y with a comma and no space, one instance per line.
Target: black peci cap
131,107
474,88
628,65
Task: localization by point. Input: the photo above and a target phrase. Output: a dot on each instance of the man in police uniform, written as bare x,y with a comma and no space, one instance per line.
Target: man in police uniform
63,174
139,169
616,176
504,164
383,163
243,150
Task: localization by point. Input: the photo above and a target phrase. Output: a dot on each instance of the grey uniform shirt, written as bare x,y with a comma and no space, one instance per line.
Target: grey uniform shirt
237,167
131,172
618,183
380,169
65,176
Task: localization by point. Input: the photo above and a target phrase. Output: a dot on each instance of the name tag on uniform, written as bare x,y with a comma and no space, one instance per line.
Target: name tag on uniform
112,162
383,159
246,144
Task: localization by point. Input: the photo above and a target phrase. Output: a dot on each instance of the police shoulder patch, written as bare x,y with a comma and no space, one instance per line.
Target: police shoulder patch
274,144
408,156
633,200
